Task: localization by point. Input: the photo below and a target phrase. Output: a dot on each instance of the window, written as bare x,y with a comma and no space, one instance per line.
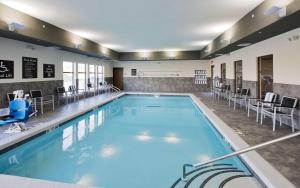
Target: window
68,74
100,74
92,75
81,76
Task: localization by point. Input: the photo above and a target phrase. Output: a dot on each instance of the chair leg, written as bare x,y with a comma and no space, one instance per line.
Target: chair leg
261,116
53,105
234,104
42,107
293,126
257,113
274,121
35,107
248,111
280,121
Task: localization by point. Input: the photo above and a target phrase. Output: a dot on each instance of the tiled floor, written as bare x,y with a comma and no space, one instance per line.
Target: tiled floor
284,156
62,110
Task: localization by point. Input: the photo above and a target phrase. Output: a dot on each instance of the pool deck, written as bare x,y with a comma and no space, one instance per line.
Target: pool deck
283,156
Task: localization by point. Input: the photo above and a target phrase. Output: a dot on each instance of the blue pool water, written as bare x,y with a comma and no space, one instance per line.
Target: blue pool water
135,141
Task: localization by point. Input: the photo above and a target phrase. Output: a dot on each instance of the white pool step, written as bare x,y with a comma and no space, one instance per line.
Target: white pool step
218,176
245,182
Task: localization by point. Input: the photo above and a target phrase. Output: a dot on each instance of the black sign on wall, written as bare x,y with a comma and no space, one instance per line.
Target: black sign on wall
49,70
6,69
133,72
30,67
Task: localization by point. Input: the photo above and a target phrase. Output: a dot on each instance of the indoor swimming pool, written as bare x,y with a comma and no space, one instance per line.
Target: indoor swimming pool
135,141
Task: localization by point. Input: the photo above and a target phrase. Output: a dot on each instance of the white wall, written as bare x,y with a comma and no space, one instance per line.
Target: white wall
15,50
286,59
163,68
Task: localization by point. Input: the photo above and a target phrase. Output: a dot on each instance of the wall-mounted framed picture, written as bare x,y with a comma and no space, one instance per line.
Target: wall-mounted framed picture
133,72
49,71
29,67
6,69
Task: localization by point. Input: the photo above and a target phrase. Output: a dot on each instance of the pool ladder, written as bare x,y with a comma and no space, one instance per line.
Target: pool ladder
206,174
114,88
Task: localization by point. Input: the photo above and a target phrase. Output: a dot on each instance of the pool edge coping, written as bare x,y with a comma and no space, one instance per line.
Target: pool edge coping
270,176
266,172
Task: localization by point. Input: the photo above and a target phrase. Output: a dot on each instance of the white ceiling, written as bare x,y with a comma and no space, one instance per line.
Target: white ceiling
140,25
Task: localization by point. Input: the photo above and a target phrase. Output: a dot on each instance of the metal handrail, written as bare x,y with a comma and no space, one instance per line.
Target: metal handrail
114,88
261,145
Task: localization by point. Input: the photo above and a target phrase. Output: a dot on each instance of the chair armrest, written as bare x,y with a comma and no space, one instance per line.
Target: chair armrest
254,99
279,106
266,102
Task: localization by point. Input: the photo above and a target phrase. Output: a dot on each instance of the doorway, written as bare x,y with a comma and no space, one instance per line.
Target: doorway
212,75
265,75
223,73
238,76
118,77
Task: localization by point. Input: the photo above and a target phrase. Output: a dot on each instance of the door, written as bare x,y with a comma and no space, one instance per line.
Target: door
238,75
265,75
118,77
223,73
212,75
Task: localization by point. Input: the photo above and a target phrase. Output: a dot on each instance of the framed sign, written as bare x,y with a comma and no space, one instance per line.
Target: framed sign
30,67
6,69
49,70
133,72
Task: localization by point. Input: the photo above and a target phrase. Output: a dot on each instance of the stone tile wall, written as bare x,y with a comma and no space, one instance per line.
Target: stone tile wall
47,87
166,84
252,85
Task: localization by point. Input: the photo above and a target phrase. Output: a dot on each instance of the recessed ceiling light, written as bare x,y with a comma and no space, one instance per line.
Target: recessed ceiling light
144,54
172,54
220,28
111,46
201,43
84,34
243,44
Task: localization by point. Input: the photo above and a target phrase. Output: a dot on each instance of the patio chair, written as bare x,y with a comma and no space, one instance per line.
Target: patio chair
218,91
240,98
62,94
256,103
41,100
285,109
226,92
91,89
76,92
